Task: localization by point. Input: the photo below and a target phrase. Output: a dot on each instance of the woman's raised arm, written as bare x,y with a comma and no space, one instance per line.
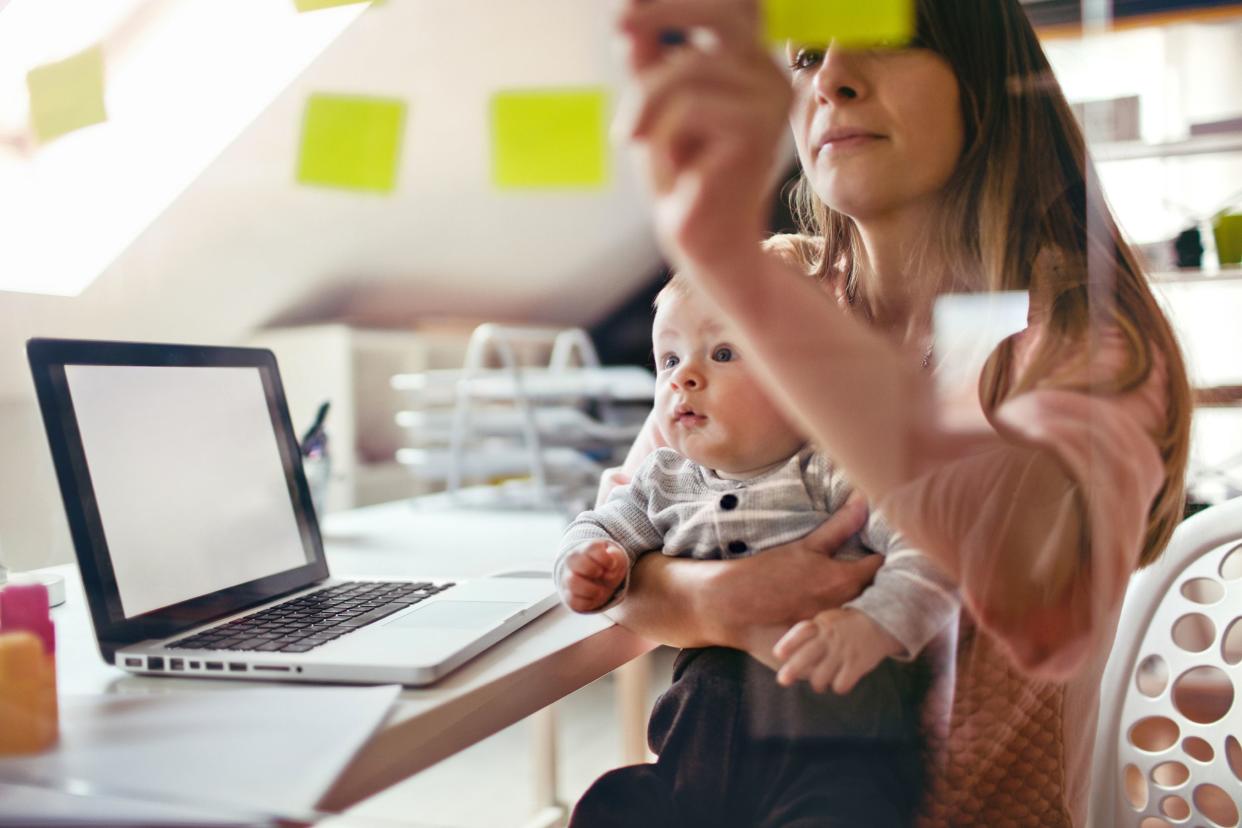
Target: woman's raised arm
1040,511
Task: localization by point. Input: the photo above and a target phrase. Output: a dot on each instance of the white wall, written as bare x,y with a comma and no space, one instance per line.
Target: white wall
33,532
244,244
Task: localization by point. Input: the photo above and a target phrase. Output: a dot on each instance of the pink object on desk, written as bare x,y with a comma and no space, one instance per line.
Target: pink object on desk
24,607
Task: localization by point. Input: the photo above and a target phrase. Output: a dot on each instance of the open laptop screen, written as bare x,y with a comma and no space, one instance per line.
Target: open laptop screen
181,479
187,477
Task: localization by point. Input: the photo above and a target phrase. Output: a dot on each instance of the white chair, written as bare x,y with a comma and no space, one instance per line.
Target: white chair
1167,749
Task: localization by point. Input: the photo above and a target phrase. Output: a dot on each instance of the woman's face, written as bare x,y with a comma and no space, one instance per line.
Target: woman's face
876,131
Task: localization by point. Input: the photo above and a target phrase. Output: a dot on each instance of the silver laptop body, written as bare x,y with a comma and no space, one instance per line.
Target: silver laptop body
197,540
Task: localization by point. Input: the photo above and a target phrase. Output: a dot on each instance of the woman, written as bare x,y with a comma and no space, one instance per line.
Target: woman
951,165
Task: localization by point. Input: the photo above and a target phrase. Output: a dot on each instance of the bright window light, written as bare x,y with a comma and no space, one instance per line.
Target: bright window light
183,78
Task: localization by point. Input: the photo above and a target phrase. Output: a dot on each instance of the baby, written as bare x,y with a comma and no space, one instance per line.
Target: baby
736,479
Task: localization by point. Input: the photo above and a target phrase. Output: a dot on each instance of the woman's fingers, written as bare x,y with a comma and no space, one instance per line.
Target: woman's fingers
687,130
710,114
689,72
864,569
609,480
730,24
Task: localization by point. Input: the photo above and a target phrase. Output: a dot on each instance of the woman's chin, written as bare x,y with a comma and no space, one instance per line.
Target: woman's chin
845,194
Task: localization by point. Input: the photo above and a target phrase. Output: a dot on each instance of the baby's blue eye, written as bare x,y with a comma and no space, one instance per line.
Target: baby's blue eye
722,354
669,361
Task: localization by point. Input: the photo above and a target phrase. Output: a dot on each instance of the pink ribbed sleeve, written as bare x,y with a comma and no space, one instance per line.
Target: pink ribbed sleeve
1047,517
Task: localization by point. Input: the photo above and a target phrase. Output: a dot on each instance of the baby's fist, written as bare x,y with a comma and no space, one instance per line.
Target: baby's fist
591,574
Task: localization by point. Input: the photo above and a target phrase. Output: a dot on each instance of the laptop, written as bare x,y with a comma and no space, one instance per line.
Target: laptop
197,540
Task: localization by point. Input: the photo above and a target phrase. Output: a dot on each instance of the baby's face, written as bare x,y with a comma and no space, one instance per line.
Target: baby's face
711,407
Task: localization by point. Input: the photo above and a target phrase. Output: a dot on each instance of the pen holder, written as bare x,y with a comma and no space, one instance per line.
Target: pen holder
29,718
318,469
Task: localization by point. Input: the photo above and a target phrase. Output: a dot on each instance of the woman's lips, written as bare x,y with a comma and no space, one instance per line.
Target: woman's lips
842,141
689,419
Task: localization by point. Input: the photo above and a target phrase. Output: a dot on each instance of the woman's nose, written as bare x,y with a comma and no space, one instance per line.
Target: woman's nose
839,78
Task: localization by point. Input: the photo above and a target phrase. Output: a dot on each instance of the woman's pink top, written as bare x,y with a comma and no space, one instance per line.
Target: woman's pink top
1006,750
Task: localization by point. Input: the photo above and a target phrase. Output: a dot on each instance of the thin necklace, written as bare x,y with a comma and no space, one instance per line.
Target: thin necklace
851,293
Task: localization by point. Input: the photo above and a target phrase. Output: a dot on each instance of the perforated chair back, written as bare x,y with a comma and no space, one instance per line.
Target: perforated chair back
1167,749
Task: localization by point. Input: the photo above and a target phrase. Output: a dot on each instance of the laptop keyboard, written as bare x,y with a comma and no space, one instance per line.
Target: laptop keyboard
312,620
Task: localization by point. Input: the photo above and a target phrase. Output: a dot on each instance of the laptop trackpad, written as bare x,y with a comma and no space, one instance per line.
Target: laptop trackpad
458,615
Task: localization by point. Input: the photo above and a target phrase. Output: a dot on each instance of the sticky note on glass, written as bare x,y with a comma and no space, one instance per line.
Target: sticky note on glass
550,139
67,95
968,327
315,5
847,22
352,143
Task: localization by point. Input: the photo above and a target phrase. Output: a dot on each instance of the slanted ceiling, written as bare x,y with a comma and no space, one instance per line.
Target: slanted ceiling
244,245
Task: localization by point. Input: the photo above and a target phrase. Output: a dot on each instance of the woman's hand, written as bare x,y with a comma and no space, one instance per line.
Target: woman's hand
709,116
753,601
609,480
749,603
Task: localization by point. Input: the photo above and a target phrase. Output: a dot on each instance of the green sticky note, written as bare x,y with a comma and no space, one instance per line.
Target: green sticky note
316,5
848,22
351,142
549,138
67,95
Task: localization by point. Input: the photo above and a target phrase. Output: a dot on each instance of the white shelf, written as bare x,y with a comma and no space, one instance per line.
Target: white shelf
1134,150
558,425
1227,273
620,384
491,463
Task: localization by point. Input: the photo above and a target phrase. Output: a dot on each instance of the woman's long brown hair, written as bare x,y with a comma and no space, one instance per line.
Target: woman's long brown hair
1024,211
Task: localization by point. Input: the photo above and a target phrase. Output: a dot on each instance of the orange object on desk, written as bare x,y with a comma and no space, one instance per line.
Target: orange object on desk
28,710
29,715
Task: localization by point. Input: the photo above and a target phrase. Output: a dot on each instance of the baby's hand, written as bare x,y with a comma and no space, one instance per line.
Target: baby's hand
834,649
591,575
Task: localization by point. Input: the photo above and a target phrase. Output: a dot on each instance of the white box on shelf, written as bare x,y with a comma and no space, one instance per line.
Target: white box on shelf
351,368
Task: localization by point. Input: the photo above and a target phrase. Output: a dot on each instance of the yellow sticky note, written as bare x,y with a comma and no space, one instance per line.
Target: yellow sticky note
67,95
550,138
351,142
316,5
848,22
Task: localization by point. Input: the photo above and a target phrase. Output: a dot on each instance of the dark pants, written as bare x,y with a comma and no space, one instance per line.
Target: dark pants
737,749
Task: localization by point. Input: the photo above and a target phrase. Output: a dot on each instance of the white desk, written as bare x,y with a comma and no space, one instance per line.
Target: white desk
551,657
